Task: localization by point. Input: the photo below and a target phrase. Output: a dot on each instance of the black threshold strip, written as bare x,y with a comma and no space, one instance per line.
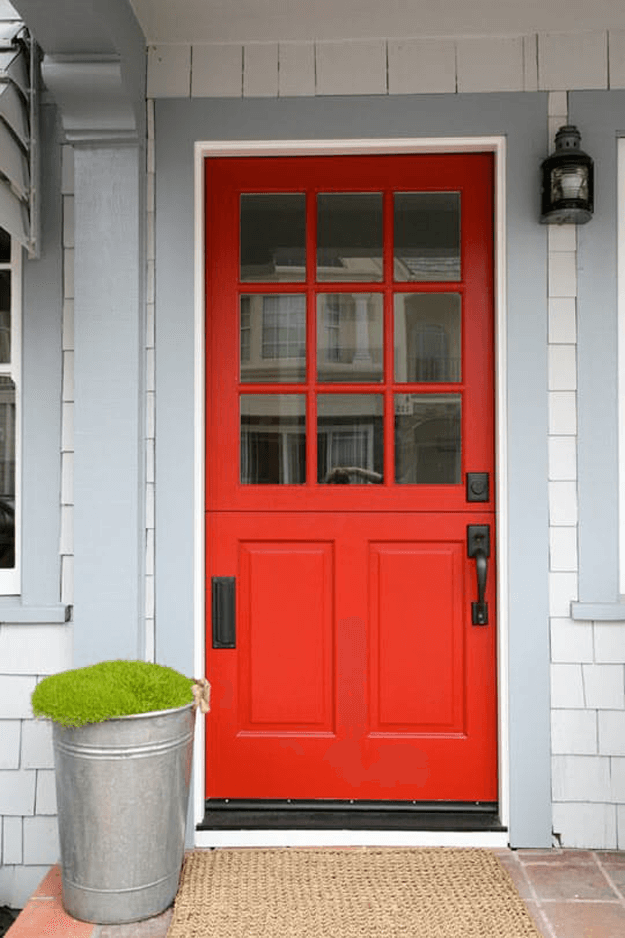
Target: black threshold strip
235,814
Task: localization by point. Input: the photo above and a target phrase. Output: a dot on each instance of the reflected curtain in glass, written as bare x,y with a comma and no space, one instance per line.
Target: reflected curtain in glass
350,447
273,439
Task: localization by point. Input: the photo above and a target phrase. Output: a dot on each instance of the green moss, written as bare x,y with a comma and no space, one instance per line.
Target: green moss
110,689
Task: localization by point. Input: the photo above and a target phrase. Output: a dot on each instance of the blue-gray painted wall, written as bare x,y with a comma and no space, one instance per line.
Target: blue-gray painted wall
522,118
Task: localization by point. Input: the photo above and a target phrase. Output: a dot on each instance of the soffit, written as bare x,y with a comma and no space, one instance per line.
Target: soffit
204,21
66,26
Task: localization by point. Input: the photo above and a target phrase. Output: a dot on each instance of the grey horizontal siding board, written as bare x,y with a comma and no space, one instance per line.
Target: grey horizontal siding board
41,400
523,119
600,116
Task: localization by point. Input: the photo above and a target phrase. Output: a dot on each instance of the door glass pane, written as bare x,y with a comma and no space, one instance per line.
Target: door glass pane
427,236
350,438
5,316
7,472
349,236
349,337
273,237
273,337
273,439
428,337
428,439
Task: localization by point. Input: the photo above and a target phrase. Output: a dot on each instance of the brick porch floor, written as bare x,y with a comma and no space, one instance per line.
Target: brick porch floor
569,893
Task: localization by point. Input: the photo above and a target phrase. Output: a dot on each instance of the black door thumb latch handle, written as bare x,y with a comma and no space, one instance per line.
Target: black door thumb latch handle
478,547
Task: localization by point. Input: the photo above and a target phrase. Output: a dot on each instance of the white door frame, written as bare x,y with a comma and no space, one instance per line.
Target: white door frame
233,148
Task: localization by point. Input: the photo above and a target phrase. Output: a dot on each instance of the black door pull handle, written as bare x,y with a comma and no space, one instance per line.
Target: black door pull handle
478,548
223,603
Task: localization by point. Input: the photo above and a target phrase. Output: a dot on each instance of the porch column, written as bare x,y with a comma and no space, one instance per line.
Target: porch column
108,380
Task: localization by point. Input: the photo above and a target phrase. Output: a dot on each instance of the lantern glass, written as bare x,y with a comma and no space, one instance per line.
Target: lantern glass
569,182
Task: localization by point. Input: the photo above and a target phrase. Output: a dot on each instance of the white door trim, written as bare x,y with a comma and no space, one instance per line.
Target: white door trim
233,148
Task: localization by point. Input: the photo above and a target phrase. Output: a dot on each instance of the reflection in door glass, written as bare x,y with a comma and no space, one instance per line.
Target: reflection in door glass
350,439
428,439
427,236
349,337
273,439
349,236
273,237
427,337
273,337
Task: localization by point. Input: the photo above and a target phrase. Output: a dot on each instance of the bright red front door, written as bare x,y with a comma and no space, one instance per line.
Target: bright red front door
349,397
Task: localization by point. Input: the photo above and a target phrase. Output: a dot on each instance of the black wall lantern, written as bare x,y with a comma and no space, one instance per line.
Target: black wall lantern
567,182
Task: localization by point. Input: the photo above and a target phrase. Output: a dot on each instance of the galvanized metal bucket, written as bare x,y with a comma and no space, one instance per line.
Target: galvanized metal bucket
122,791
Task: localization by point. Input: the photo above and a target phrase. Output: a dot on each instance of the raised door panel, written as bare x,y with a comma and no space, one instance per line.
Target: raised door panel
417,637
286,636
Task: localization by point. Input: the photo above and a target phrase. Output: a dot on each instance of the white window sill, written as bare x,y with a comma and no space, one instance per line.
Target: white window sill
604,612
12,612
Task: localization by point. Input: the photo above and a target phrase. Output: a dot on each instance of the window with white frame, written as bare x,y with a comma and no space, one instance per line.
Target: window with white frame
284,327
246,330
10,303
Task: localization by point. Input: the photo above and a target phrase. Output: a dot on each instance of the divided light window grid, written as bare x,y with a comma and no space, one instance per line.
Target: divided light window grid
369,251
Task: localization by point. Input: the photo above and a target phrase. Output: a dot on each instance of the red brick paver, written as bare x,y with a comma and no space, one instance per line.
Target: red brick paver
45,917
569,894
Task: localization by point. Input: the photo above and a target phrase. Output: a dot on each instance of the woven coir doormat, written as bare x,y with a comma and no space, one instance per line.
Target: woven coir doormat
351,893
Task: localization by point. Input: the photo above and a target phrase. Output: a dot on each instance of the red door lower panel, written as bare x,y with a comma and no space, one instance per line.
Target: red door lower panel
357,672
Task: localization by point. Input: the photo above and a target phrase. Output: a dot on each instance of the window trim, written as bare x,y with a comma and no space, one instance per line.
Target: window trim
10,579
497,144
